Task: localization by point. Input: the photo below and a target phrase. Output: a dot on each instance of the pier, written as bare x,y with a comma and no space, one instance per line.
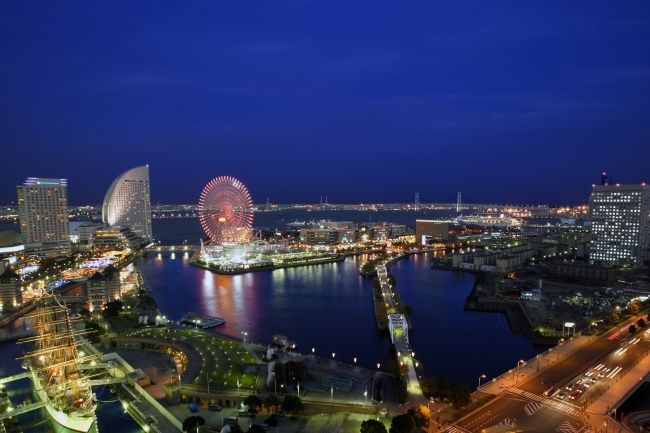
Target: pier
398,326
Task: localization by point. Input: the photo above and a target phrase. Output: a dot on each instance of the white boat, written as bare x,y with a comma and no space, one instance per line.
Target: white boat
568,221
489,220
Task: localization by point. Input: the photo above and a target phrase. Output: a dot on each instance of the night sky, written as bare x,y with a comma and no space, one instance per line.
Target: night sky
508,102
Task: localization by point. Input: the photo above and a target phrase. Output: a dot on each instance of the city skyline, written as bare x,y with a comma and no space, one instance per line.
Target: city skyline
367,102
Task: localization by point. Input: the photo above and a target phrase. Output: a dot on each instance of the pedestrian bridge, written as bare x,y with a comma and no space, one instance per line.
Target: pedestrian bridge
20,409
15,377
170,248
15,336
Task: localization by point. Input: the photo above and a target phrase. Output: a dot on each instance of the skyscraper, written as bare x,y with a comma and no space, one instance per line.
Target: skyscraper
620,224
128,204
43,211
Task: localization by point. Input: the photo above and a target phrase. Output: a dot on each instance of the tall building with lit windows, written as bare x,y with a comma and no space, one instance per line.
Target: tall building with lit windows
620,224
43,210
128,203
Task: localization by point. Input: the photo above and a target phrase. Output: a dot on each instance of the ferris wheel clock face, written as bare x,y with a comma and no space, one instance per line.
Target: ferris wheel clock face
226,211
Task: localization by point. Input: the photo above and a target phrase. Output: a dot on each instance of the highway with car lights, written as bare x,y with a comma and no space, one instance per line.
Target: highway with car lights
555,399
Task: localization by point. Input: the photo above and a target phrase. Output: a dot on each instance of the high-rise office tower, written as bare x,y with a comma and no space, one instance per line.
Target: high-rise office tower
43,210
620,224
128,204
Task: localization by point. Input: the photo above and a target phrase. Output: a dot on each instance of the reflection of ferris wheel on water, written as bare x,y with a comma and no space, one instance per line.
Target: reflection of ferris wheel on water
226,211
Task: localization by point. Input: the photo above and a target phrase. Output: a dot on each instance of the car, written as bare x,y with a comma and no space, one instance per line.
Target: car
594,379
253,409
278,413
242,413
272,421
264,426
231,420
589,373
574,395
193,407
601,374
561,395
570,387
214,407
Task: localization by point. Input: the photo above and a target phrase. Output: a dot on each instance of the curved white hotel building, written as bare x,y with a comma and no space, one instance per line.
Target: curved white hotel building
128,202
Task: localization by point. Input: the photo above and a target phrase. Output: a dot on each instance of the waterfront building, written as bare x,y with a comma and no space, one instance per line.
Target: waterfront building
85,235
112,275
620,224
382,231
329,236
97,292
128,204
116,238
11,243
431,230
43,212
583,270
10,288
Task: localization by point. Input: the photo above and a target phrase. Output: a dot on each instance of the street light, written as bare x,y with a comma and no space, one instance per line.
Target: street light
478,390
518,367
245,334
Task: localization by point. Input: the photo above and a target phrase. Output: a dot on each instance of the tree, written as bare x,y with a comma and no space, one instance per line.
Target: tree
632,329
420,415
84,312
396,368
382,315
292,403
612,319
402,424
640,323
272,401
443,388
190,423
256,428
113,308
405,309
253,401
429,386
372,426
96,328
459,396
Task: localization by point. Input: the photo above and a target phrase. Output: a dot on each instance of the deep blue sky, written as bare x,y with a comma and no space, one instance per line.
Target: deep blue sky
510,102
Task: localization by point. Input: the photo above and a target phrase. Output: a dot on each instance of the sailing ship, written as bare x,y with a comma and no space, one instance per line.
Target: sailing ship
56,361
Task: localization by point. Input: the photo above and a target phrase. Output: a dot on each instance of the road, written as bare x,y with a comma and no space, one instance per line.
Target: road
526,407
513,414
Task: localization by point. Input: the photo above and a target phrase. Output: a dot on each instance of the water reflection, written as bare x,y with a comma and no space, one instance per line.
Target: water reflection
329,307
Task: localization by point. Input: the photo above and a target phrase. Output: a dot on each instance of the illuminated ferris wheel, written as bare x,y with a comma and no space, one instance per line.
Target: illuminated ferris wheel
226,211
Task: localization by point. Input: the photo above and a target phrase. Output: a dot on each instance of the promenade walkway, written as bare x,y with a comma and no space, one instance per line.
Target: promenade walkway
398,326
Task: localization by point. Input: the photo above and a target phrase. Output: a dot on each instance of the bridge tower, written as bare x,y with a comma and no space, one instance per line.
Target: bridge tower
417,200
458,203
